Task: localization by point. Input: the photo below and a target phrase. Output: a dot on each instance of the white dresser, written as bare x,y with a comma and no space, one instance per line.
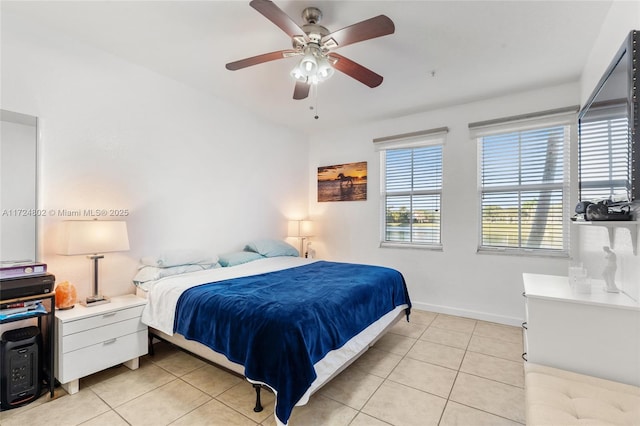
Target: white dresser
597,334
91,339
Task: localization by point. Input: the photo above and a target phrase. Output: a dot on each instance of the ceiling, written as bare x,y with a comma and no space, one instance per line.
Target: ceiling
442,52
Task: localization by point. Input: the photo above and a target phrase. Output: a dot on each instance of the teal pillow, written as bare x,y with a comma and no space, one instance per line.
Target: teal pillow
238,257
272,248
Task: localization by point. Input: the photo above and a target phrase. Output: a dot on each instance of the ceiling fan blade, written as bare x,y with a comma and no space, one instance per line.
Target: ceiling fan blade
273,13
355,70
265,57
301,90
379,26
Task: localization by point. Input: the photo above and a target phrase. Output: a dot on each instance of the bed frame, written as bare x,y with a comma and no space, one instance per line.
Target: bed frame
361,341
203,352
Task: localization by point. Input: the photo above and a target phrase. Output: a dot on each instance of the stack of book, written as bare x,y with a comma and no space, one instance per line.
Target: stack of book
22,268
21,309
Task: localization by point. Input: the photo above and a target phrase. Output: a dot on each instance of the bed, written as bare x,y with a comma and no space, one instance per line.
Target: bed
288,323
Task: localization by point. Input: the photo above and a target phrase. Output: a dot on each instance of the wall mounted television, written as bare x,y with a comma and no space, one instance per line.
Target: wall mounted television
609,139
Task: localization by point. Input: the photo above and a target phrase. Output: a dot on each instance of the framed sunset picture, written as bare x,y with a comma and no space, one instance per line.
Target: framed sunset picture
343,182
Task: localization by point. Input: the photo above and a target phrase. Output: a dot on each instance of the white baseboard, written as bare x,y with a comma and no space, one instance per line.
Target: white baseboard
484,316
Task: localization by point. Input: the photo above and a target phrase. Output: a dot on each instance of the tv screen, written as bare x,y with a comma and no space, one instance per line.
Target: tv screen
608,140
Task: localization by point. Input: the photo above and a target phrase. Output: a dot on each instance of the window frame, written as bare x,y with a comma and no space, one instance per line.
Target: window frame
565,117
414,140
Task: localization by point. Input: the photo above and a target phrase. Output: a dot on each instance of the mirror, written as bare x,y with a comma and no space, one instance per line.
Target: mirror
18,187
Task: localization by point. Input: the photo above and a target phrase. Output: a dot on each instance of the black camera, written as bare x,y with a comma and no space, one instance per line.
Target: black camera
581,207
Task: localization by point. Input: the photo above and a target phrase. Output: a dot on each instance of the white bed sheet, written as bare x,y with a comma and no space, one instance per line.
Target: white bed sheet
159,313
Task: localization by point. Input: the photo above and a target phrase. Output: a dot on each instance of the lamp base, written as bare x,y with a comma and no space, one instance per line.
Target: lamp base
95,301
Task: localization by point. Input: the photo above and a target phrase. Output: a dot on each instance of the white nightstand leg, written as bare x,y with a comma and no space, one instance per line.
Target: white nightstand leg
132,364
71,387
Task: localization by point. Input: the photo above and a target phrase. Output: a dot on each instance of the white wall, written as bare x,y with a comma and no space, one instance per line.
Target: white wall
193,171
623,17
457,280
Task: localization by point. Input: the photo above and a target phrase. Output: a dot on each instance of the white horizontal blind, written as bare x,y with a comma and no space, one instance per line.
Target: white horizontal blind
604,156
412,188
523,179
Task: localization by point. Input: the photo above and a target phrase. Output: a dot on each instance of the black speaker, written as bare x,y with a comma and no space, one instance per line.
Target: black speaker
21,361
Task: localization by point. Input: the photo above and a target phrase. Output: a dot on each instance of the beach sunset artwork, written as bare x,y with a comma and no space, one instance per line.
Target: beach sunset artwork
343,182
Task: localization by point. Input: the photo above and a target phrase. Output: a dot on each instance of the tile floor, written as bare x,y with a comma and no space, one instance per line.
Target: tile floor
436,370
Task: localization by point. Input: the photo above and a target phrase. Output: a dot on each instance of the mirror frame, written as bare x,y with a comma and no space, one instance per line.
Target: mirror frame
30,120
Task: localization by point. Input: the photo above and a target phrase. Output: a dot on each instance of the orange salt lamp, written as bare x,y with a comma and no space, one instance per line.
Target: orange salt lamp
66,295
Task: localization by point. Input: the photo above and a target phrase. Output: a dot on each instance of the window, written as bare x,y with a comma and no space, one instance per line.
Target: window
605,154
523,181
411,188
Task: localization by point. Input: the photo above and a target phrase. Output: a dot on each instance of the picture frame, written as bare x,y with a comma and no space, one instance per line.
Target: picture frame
343,182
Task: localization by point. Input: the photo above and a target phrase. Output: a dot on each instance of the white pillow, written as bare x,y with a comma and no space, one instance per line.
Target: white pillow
147,275
171,258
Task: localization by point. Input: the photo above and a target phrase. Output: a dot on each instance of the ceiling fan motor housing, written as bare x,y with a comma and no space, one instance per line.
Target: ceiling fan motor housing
312,15
314,32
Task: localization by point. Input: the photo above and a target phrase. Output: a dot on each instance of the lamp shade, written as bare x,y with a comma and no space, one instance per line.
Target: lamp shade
298,74
308,63
93,236
300,228
325,70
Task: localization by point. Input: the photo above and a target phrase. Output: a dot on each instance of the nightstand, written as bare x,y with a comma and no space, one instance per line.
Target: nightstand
91,339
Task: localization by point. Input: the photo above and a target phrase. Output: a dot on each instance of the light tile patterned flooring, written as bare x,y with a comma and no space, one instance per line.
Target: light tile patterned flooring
436,370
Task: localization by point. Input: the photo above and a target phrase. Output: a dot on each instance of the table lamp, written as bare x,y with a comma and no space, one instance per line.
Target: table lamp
93,237
300,229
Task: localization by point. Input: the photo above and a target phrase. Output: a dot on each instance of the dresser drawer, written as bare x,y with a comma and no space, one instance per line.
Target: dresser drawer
72,342
87,360
87,323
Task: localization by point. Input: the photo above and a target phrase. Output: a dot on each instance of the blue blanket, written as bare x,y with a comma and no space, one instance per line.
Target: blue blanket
279,324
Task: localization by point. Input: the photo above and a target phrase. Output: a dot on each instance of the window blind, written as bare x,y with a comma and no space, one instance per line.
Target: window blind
524,185
411,187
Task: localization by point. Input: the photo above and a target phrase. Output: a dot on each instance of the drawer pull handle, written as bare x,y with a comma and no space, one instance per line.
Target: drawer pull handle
524,356
110,314
524,325
110,341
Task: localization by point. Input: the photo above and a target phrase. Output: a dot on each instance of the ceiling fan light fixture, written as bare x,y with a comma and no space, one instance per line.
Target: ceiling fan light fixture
309,63
314,67
298,75
325,70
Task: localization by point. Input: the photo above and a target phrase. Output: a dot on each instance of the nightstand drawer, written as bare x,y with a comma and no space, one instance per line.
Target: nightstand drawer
82,362
100,320
72,342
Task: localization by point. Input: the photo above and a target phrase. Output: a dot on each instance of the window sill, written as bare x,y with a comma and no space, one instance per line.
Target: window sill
431,247
524,252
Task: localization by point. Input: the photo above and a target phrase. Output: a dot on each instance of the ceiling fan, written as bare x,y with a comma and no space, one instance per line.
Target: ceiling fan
316,44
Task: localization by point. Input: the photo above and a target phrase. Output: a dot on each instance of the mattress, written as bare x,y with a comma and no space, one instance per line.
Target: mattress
159,315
